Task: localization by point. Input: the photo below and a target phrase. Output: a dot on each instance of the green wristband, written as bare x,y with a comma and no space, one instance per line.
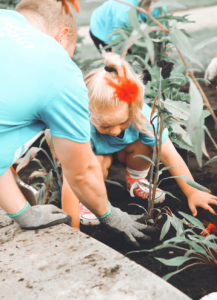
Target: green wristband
108,213
20,212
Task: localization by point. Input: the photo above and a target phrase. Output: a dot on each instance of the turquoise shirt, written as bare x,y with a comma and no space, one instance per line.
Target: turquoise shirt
106,144
113,14
40,85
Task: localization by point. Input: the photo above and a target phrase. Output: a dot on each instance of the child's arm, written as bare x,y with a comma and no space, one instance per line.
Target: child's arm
70,204
196,198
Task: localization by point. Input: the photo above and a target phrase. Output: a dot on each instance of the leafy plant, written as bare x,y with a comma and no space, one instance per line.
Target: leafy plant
9,4
149,43
51,186
201,249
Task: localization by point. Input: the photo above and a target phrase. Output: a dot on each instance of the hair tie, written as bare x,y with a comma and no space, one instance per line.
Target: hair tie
125,89
110,69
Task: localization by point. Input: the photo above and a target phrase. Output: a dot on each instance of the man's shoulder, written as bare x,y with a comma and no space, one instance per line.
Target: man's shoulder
11,14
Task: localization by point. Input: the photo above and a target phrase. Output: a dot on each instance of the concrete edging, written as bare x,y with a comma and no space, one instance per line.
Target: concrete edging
62,263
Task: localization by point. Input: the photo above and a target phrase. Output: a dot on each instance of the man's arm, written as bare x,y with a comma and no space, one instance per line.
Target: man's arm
83,173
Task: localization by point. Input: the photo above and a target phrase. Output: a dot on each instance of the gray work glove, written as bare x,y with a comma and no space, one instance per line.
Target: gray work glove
211,71
130,226
42,216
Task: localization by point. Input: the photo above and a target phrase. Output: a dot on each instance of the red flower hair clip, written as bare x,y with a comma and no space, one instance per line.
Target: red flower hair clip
75,4
126,89
210,229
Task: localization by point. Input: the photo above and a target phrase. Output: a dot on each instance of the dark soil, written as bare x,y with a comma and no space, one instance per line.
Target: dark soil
196,281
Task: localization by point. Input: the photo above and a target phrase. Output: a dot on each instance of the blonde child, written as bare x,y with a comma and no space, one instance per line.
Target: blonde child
120,128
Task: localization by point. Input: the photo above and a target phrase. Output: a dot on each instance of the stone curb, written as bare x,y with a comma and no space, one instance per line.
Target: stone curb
62,263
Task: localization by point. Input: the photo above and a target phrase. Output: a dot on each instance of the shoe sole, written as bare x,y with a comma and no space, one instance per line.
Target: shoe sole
87,222
160,199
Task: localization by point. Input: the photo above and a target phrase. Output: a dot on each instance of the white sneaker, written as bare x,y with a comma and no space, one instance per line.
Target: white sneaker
212,296
87,217
140,188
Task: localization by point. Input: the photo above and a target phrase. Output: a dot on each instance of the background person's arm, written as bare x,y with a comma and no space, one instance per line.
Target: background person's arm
83,173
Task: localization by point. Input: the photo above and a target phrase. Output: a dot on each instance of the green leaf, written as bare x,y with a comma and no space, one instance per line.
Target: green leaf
167,168
191,183
50,176
211,160
145,157
197,139
162,3
134,22
40,173
163,246
39,162
192,220
196,121
170,194
114,182
180,143
205,43
23,162
166,277
175,261
143,208
210,136
178,109
180,40
165,229
42,193
41,141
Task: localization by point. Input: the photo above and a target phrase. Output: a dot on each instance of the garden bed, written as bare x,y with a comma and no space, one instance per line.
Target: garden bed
196,281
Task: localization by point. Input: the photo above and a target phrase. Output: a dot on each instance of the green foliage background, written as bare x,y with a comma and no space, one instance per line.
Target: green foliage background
9,4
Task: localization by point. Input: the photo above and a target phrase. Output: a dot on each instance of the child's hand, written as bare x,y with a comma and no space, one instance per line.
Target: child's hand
201,199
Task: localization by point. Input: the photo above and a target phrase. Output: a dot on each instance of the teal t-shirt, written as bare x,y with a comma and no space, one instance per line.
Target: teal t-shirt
40,85
106,144
113,14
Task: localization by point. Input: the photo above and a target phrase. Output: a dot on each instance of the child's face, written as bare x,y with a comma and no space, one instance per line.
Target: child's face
114,120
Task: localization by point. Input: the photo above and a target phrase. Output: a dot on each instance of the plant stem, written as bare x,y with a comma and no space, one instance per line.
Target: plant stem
159,121
157,165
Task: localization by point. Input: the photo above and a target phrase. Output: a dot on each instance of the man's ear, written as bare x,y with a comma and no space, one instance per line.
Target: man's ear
62,35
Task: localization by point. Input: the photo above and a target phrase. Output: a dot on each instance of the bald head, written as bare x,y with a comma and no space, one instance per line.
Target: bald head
49,17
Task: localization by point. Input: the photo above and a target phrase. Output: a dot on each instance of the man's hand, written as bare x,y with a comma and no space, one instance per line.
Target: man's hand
129,226
201,199
42,216
211,71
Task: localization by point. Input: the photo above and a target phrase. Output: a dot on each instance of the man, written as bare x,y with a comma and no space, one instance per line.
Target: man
40,85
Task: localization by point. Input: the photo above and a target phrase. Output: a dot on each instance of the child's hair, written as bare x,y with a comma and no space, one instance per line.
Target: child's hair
52,15
101,95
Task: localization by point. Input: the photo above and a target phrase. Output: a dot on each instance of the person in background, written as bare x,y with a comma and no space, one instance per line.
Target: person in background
121,129
41,86
211,71
114,14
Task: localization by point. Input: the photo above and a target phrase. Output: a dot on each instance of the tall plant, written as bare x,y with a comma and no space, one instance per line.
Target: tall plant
149,43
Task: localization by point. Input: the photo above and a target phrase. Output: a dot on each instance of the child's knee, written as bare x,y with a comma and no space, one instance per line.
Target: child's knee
105,162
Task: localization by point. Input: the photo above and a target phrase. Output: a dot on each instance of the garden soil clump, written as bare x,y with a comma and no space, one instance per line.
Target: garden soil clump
195,281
